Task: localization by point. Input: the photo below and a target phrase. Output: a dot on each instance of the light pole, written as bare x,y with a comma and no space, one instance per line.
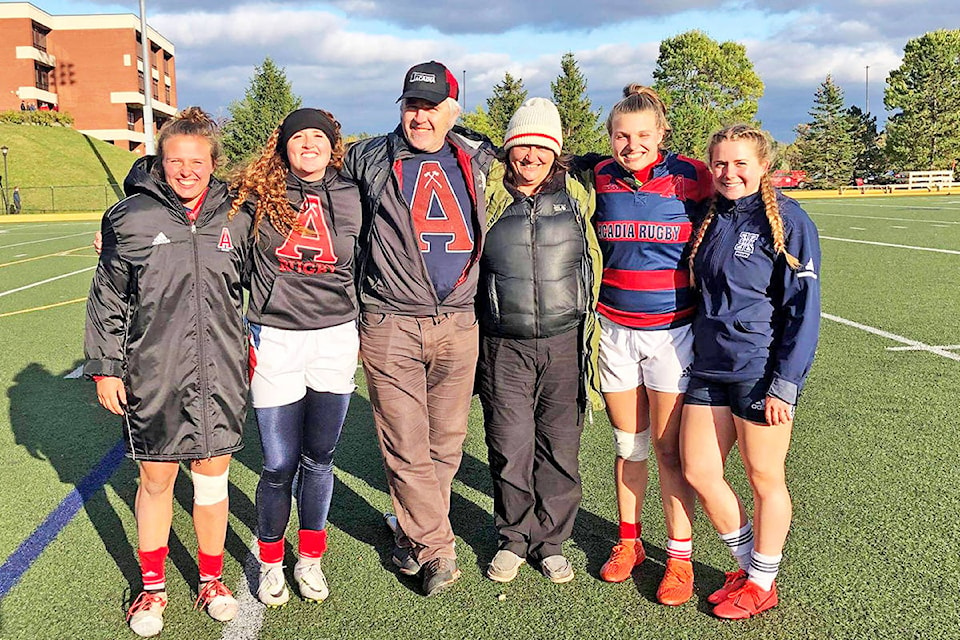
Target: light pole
866,88
464,90
5,150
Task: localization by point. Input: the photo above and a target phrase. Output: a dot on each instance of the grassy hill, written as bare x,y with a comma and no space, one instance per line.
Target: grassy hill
60,169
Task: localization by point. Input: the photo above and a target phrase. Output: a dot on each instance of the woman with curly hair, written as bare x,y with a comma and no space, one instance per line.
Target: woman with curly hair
755,260
303,335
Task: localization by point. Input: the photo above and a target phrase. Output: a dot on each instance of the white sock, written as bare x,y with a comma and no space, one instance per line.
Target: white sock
680,549
740,543
763,569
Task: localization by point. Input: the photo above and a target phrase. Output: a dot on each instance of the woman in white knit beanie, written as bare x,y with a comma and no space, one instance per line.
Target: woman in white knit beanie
539,278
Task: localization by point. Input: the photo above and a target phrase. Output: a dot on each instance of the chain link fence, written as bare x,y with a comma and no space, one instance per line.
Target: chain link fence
72,198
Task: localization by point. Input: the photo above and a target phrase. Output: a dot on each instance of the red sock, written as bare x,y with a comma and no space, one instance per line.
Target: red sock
211,567
152,569
630,531
271,552
312,543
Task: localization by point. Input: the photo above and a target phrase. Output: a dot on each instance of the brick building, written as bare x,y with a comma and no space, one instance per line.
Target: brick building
89,66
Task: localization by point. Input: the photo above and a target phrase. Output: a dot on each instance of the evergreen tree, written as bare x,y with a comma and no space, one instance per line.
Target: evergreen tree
582,131
267,101
926,90
705,85
825,144
869,160
479,121
506,99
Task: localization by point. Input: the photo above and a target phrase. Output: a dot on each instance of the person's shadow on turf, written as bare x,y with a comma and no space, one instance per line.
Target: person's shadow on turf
59,420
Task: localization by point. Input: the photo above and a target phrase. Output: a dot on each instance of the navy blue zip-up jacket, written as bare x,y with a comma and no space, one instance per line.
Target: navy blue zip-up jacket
757,317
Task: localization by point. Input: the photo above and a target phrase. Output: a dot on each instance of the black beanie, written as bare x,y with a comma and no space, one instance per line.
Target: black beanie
305,119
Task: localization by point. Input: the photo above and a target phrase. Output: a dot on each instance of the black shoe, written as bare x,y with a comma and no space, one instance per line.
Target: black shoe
405,561
438,574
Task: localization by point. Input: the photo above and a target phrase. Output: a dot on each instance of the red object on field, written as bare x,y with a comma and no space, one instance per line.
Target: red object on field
783,179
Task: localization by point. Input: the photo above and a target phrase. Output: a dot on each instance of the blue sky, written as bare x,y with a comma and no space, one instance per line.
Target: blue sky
349,56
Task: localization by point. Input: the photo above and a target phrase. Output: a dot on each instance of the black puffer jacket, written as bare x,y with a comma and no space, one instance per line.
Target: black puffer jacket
165,313
535,275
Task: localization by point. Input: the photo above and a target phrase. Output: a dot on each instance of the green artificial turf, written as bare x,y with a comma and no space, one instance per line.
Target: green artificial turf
872,471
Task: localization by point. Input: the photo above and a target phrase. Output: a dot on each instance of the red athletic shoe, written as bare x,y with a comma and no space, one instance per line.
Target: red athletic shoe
733,581
623,558
677,584
747,601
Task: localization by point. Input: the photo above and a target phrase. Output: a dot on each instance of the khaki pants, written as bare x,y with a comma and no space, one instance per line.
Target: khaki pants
420,377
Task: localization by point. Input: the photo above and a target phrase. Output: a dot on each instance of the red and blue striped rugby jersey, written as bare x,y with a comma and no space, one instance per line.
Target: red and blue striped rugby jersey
643,229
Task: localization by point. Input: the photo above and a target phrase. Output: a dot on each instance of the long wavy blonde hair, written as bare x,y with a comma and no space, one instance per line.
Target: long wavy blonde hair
265,180
763,146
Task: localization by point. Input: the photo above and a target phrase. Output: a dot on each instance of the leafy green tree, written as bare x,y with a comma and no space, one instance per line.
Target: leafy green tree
925,134
582,131
506,99
267,101
705,85
869,159
479,121
825,145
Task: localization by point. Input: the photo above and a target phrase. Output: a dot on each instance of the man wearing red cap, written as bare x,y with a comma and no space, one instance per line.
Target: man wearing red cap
422,192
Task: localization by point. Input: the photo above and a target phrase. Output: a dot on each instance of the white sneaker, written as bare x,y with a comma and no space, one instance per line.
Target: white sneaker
557,569
504,566
145,615
273,587
218,600
310,579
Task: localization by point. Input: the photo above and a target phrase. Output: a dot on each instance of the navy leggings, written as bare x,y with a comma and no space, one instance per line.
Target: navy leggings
298,437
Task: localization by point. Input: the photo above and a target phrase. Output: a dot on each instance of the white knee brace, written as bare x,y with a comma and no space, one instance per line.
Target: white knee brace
209,490
634,447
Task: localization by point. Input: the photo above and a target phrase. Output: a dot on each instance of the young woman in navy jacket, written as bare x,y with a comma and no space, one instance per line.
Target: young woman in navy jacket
755,260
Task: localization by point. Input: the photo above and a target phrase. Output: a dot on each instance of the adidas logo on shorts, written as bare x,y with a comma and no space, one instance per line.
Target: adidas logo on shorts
758,405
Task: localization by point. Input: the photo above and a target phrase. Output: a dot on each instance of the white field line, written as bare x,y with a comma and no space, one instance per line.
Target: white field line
895,246
949,347
249,619
885,219
871,205
894,226
913,344
73,235
37,284
858,229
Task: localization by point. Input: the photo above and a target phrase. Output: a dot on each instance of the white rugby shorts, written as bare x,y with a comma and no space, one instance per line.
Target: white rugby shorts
659,359
288,361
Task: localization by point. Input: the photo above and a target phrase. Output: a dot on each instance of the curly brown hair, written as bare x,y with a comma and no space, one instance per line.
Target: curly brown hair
766,155
265,179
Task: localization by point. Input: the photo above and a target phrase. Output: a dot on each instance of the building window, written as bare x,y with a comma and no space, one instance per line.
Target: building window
156,88
166,64
42,76
132,117
140,81
40,37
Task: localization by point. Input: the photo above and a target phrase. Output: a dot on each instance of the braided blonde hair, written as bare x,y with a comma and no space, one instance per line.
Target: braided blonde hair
266,179
763,145
638,98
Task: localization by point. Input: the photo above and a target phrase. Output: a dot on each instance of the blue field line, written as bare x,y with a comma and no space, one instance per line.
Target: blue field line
30,549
